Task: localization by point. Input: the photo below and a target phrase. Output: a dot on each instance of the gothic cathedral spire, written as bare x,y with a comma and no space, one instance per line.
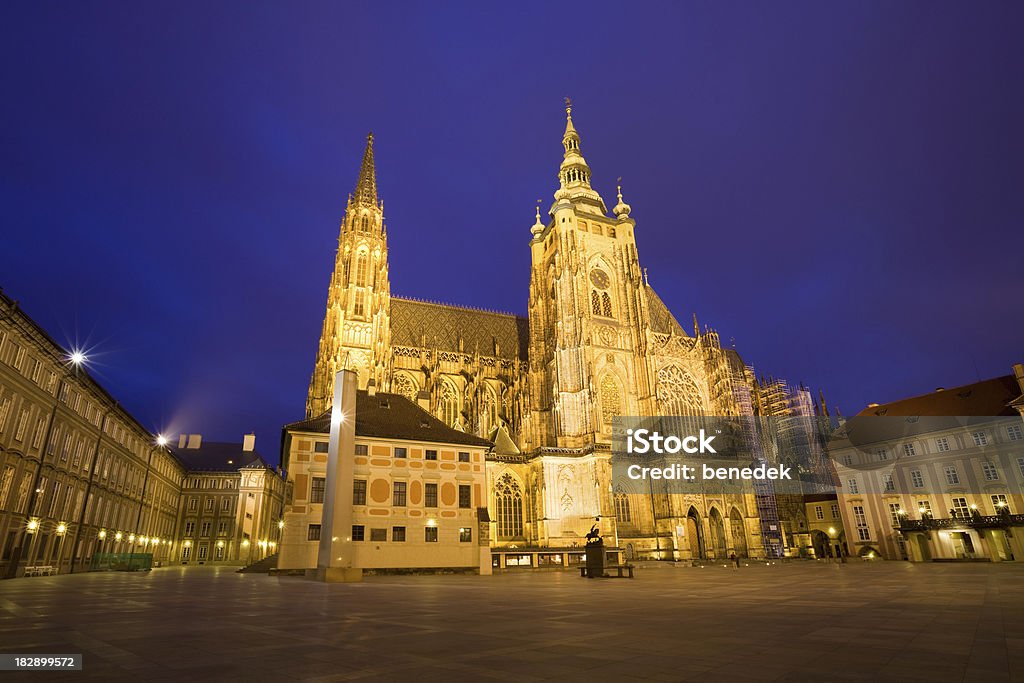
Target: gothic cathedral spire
357,328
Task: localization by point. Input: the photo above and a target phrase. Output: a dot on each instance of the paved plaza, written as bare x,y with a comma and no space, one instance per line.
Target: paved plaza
799,621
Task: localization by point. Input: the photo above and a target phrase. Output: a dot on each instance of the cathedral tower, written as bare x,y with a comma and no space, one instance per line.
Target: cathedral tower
357,328
588,312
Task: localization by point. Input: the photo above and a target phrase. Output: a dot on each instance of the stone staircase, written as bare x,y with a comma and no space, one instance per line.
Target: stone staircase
261,566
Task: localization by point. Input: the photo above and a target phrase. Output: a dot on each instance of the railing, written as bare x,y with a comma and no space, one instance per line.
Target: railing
973,522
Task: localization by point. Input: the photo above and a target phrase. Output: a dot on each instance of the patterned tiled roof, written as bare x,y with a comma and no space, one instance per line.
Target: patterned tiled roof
443,325
662,320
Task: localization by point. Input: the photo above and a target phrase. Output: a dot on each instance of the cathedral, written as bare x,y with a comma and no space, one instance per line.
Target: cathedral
597,342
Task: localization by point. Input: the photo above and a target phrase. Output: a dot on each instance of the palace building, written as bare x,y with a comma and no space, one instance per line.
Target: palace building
597,342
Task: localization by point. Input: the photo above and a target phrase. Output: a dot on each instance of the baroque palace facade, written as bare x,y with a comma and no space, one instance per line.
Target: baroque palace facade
81,478
597,343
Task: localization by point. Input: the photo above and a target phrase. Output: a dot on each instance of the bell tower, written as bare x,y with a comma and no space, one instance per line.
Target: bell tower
588,312
357,328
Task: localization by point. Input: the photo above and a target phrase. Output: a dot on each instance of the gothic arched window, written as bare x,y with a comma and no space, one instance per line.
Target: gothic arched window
362,266
622,513
595,301
508,506
448,405
364,223
678,395
404,385
611,399
606,305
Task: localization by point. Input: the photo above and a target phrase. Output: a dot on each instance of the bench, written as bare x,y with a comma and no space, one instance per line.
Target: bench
622,571
40,570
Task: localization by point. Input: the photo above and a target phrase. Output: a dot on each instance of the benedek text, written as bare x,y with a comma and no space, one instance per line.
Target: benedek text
687,472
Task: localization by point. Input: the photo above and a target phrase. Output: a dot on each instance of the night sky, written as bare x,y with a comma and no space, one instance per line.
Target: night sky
838,188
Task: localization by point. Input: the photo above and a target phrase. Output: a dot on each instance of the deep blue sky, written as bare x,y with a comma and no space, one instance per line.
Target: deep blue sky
838,187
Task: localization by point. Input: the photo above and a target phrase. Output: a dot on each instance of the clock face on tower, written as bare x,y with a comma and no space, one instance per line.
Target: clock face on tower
599,278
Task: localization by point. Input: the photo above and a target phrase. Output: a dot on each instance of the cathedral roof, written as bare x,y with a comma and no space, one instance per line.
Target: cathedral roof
662,320
393,416
440,326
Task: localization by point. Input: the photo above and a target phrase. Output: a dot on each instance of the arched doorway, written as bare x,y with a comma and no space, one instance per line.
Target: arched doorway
739,532
694,535
718,545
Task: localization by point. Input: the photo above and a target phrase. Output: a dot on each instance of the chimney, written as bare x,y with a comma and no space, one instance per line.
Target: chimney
181,440
249,442
195,440
1018,372
371,388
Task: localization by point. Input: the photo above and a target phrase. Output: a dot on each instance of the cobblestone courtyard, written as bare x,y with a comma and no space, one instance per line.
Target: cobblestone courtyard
802,621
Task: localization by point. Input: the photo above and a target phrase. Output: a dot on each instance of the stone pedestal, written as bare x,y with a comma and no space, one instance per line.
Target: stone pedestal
595,561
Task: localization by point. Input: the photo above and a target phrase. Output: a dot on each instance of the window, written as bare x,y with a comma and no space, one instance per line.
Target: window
359,307
359,492
465,534
430,495
361,269
321,447
924,507
916,478
190,528
225,504
465,496
400,452
835,511
1020,465
595,302
851,484
204,529
908,450
186,552
222,528
819,512
463,457
19,434
961,509
887,483
1015,433
362,449
398,534
991,473
358,532
398,496
999,503
431,455
209,504
623,514
508,502
980,439
883,454
894,513
952,476
430,534
317,491
378,534
4,412
862,523
942,445
847,460
193,504
606,305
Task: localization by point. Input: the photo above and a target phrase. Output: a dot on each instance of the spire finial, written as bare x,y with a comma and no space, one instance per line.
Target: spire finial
568,108
538,227
621,209
366,186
